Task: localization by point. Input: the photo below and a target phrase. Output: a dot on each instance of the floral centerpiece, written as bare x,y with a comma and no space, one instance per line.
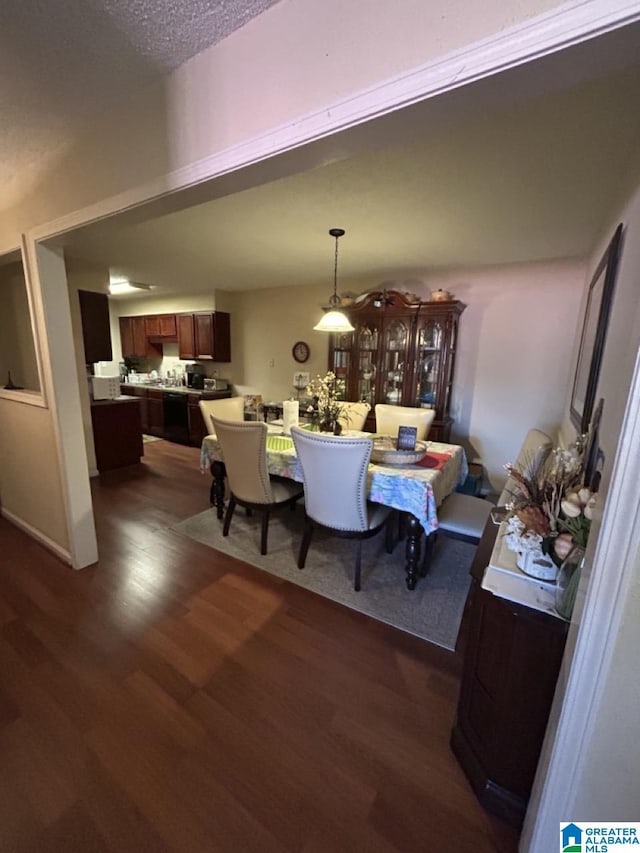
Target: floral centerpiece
325,407
550,509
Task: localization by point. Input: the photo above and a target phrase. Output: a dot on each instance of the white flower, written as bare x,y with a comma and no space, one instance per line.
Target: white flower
576,503
518,538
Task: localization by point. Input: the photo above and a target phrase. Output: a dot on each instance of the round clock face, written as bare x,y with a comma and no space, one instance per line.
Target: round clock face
300,351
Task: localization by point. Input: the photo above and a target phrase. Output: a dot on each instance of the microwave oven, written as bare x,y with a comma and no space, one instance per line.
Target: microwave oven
105,387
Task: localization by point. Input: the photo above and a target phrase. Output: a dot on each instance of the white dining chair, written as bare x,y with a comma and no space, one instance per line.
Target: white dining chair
229,409
244,449
335,491
464,516
389,418
354,415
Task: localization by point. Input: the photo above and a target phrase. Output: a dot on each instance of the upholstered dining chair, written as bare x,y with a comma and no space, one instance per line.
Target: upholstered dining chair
354,415
464,516
389,418
335,487
535,448
229,409
244,448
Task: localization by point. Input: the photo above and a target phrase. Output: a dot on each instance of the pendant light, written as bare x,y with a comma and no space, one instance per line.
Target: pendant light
334,320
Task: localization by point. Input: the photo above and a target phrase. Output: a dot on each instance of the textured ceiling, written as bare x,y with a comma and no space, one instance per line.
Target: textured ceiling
61,62
525,166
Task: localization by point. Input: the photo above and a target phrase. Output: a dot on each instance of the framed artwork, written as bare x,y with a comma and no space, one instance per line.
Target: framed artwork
594,331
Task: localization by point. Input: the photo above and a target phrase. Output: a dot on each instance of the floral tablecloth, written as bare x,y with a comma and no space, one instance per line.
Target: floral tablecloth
418,489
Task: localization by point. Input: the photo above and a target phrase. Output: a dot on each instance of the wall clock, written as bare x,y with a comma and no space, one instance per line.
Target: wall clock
300,351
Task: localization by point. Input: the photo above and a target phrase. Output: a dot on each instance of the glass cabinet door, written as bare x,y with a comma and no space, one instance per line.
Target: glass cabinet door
427,377
394,360
367,345
341,361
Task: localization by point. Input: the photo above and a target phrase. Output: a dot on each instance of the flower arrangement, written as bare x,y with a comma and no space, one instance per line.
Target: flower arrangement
325,407
550,508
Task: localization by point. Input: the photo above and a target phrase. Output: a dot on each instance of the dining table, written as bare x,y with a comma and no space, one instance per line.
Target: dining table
416,490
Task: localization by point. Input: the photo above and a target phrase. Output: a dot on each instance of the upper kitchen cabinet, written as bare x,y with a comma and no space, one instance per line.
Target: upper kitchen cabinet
402,352
205,336
133,338
161,326
186,336
96,329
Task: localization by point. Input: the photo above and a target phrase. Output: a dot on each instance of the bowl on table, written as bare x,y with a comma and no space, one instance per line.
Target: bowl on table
385,452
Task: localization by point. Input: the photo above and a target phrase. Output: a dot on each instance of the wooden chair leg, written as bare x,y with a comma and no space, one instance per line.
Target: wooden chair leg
306,541
265,532
356,580
228,515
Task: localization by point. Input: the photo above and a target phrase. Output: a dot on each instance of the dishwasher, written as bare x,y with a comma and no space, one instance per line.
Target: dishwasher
176,417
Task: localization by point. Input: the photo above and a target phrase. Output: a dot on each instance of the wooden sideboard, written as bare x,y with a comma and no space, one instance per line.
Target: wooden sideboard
512,656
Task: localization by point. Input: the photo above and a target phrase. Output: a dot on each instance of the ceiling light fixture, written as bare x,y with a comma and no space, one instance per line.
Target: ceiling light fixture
334,320
116,288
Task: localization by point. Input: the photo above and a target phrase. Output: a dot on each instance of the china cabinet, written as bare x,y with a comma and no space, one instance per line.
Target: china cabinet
401,352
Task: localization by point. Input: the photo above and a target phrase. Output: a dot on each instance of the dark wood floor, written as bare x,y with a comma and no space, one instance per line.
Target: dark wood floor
172,698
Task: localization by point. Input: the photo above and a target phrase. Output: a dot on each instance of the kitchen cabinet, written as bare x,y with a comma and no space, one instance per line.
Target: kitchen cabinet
133,338
402,352
141,395
205,335
117,433
511,663
186,336
212,332
161,326
155,404
96,327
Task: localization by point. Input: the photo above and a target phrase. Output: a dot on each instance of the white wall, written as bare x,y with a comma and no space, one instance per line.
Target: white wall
606,779
514,357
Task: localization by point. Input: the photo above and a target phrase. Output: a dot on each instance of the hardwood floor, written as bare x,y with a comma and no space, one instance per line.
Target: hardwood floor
171,698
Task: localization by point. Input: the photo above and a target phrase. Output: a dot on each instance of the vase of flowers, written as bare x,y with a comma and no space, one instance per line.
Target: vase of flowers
550,511
325,408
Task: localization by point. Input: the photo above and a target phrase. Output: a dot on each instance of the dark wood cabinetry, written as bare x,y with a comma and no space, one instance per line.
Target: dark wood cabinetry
186,336
117,433
134,342
212,333
161,326
141,394
205,335
155,403
402,352
512,659
96,327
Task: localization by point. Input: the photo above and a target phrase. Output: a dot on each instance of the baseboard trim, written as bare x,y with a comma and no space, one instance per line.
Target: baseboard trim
38,535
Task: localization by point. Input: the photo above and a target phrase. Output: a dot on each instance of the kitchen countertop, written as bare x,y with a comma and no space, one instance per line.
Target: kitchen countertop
176,389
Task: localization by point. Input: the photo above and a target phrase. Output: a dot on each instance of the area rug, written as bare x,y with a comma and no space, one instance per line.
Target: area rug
433,610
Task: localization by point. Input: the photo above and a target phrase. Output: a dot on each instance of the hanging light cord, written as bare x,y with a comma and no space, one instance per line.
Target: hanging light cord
334,300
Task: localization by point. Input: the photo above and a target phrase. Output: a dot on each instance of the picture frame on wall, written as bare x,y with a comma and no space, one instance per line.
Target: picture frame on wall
594,331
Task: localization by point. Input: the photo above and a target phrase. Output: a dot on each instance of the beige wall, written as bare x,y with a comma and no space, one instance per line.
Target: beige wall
30,484
295,59
17,350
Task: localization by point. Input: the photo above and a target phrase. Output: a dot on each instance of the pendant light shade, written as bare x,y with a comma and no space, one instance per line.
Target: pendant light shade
334,320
